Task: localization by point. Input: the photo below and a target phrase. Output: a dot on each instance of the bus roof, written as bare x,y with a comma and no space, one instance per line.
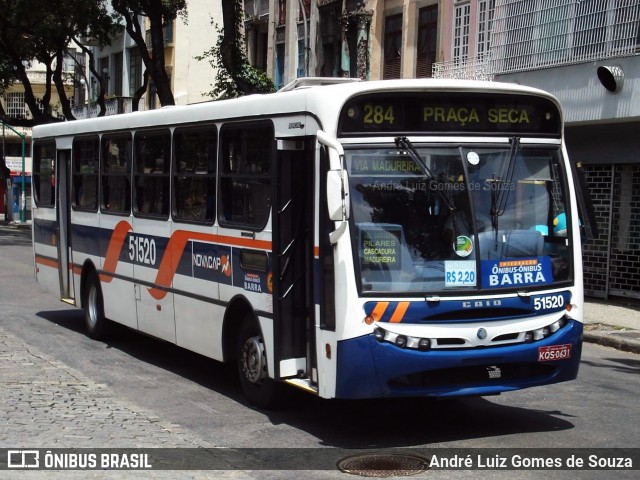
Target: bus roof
321,99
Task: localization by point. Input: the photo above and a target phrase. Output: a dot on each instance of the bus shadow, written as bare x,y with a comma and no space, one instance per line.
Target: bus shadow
361,424
158,353
388,423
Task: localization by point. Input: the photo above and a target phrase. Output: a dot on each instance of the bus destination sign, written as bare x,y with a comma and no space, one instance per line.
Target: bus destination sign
450,113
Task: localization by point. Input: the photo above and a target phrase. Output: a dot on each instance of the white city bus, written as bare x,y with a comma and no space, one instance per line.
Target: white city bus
356,240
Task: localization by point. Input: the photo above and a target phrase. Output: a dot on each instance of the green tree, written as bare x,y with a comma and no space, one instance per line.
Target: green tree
235,77
42,31
159,13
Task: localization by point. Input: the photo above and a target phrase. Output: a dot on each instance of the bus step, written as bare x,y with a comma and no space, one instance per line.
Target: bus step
303,383
70,301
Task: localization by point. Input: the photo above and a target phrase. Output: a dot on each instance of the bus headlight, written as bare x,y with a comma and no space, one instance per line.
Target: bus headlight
379,333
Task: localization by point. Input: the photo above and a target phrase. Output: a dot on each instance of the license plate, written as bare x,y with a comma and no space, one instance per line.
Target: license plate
554,352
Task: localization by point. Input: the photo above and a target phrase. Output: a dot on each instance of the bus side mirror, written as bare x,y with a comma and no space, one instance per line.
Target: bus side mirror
337,188
337,196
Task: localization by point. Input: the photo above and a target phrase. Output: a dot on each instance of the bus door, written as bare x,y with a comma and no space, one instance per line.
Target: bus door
63,212
293,259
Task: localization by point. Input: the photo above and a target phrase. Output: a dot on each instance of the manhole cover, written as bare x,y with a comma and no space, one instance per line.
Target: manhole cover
383,464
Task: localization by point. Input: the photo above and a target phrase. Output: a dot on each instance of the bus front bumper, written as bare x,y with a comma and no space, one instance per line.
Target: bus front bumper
368,368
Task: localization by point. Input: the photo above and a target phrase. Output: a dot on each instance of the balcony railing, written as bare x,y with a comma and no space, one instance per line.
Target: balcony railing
115,106
466,69
531,35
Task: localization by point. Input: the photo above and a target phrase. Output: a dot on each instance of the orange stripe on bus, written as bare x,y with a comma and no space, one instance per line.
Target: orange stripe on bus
115,247
173,253
378,312
398,315
46,262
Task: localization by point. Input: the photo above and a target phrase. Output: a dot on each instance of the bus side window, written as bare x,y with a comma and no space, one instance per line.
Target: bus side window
152,161
116,171
85,174
245,168
44,174
194,174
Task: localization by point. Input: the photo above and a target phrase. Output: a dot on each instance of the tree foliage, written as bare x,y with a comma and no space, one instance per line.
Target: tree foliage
235,76
159,13
42,31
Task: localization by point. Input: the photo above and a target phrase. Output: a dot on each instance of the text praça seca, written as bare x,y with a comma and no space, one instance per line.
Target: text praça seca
464,115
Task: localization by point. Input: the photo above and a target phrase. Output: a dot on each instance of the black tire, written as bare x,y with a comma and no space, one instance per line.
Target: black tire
95,322
261,391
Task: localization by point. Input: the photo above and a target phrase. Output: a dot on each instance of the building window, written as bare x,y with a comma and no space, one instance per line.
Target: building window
194,179
279,65
135,71
302,70
117,73
152,160
245,174
427,40
15,106
79,88
85,174
103,71
485,21
392,47
462,13
116,171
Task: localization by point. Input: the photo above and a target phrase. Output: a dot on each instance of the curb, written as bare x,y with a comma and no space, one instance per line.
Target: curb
613,341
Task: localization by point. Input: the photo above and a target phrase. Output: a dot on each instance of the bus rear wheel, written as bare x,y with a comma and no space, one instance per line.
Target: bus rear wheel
93,303
258,388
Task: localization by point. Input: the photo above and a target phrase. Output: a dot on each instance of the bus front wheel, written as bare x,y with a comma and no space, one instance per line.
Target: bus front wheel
260,390
93,303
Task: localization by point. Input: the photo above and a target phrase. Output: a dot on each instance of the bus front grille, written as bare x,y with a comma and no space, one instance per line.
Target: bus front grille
481,374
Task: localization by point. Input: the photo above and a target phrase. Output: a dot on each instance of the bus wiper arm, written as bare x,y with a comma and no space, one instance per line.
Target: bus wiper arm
502,186
405,143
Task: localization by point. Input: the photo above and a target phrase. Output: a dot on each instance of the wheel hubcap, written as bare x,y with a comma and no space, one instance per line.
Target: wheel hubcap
254,360
93,305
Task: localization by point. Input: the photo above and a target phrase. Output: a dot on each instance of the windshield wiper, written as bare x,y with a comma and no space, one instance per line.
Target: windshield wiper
405,143
502,187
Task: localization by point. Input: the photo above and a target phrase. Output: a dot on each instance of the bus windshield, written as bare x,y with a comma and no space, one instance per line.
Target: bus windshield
441,219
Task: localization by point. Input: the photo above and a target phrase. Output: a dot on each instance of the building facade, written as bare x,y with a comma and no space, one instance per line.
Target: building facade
366,39
121,64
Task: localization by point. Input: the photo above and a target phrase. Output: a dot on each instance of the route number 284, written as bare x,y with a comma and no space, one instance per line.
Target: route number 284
376,114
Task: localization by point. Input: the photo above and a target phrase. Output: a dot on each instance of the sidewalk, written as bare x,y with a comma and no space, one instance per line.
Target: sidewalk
613,323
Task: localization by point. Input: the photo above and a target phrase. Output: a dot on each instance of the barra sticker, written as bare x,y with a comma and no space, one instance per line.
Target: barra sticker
460,273
553,353
516,272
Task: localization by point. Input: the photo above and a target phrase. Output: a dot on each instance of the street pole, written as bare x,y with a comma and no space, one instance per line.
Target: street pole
23,194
